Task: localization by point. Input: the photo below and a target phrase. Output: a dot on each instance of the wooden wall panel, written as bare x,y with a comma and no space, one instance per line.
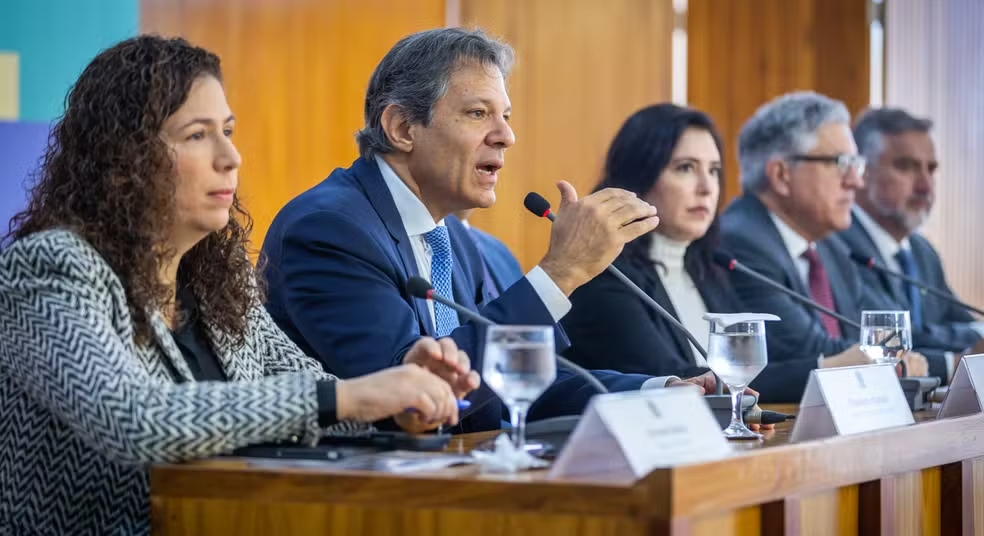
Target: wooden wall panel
934,69
296,73
583,67
742,53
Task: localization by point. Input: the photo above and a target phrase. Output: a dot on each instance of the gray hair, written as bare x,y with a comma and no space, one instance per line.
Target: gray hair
875,123
782,127
417,71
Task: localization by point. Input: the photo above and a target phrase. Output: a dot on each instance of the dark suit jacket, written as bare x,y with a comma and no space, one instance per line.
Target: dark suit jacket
612,328
945,325
339,260
502,266
750,235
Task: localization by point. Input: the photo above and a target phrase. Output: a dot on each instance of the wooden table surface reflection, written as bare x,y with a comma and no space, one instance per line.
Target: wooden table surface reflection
922,480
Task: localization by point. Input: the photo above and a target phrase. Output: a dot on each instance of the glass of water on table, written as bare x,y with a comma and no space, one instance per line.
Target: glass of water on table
737,353
886,336
519,365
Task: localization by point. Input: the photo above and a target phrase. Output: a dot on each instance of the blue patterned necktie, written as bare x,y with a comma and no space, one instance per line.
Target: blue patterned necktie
445,319
908,264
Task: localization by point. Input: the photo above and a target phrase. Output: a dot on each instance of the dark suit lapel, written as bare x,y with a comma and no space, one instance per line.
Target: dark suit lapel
371,181
717,297
465,291
933,308
860,241
775,243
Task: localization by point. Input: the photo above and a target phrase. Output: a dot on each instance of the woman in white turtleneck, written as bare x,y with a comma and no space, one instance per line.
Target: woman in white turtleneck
667,255
671,157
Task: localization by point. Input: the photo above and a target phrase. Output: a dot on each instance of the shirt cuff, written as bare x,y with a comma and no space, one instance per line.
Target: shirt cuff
948,360
978,327
327,408
550,294
657,382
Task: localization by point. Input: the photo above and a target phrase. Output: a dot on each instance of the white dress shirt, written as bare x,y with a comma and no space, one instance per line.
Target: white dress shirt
417,222
796,245
680,287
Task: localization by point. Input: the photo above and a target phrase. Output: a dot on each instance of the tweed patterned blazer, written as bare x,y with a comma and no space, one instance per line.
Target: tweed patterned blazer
84,409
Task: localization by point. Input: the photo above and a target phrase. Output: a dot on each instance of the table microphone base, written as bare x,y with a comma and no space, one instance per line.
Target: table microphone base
918,391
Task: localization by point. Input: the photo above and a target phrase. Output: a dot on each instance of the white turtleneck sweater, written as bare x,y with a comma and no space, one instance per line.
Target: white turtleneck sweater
686,300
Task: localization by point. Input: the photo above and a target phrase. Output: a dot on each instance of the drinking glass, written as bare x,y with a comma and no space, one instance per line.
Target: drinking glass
519,365
737,353
886,336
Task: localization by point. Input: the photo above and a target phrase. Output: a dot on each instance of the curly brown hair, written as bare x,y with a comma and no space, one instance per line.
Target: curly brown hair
107,175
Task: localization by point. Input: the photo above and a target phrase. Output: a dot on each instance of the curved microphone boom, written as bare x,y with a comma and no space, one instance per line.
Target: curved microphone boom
732,265
539,206
871,264
418,287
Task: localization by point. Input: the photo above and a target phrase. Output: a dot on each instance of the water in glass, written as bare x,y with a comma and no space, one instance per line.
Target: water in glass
519,364
519,372
737,358
737,353
886,336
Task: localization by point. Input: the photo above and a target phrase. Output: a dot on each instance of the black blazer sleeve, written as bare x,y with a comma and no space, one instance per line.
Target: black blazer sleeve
611,328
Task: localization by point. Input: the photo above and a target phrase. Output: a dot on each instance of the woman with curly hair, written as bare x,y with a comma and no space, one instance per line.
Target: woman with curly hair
131,324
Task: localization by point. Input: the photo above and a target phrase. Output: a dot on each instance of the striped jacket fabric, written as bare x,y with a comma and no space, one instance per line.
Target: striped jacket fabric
84,409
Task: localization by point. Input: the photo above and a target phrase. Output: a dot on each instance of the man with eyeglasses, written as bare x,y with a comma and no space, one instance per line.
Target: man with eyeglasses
899,190
800,169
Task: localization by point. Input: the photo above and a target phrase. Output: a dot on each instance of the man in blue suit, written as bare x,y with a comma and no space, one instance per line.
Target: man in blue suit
799,170
340,255
898,193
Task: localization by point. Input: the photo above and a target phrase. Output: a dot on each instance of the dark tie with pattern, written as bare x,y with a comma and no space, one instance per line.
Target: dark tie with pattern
908,264
820,291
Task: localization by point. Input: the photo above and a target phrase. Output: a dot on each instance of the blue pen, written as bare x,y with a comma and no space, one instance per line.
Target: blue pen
462,404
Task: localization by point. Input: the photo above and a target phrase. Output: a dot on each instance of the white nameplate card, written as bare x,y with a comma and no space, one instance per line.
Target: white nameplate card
965,395
624,436
851,400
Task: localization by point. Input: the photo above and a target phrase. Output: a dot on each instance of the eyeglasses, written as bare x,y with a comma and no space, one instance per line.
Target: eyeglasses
844,162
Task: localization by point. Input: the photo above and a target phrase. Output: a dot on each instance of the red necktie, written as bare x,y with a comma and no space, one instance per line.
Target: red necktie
820,291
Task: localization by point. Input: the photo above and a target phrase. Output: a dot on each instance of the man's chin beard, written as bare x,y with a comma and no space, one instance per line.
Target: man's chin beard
915,221
910,221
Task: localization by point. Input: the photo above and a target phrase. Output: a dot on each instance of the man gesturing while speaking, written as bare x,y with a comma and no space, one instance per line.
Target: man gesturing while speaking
340,254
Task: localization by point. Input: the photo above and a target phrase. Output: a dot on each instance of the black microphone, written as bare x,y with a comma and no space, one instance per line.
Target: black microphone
764,416
539,206
872,264
732,265
419,287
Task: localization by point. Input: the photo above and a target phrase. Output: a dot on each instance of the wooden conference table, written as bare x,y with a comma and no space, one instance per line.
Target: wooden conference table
925,479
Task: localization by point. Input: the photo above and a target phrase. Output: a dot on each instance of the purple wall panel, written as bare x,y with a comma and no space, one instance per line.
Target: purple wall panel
22,144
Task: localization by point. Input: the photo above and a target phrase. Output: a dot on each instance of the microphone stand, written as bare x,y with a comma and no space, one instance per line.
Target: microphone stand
539,206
